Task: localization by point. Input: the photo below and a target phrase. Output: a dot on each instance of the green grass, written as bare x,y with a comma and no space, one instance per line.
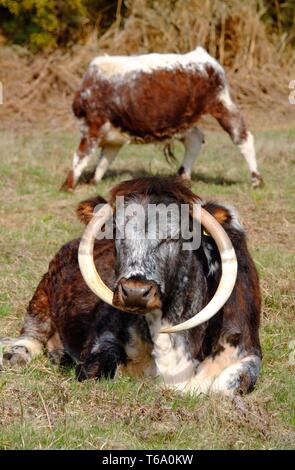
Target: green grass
44,407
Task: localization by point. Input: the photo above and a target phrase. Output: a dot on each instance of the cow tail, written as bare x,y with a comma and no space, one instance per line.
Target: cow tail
169,153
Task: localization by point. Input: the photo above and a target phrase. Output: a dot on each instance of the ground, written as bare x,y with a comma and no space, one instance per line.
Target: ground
44,407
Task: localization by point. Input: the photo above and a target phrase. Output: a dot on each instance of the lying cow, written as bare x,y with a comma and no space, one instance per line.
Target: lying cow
153,98
158,320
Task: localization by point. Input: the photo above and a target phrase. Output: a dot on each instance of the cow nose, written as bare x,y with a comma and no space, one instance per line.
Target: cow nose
138,293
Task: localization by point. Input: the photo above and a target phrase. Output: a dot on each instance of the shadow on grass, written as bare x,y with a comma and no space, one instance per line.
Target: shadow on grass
217,180
87,176
133,173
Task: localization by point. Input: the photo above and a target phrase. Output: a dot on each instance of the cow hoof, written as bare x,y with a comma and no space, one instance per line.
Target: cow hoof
257,181
184,175
68,184
93,182
17,356
60,358
65,188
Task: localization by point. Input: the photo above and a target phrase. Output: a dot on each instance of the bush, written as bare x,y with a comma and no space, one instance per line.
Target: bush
44,24
280,15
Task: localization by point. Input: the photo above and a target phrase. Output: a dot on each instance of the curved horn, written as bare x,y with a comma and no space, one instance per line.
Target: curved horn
229,267
85,255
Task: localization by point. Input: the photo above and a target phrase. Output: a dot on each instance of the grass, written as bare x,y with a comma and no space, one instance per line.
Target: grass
44,407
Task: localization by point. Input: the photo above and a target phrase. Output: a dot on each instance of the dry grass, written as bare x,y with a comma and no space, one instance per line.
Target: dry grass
43,407
39,89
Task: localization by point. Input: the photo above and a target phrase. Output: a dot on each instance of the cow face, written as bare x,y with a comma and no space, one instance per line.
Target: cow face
148,250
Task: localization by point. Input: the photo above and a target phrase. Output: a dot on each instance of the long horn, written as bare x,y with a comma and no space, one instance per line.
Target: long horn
85,255
229,267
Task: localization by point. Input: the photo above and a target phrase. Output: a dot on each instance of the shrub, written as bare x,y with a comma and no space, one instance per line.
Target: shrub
44,24
280,15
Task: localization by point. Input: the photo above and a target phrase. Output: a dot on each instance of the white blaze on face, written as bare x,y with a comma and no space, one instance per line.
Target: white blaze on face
111,66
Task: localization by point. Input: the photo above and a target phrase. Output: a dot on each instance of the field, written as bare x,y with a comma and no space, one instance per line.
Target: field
45,407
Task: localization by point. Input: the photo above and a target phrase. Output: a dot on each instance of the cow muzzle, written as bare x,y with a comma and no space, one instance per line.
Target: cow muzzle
137,294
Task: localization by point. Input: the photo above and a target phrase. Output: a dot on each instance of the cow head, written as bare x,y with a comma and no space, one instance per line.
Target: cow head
148,260
150,251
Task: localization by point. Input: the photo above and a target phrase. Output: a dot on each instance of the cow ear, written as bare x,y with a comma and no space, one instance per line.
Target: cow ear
227,216
86,208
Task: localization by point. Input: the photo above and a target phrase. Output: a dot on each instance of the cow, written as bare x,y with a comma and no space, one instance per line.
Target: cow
154,98
146,306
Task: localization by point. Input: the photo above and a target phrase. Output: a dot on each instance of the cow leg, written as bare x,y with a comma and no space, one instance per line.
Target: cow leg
88,145
36,331
193,141
56,352
238,378
103,358
229,117
108,155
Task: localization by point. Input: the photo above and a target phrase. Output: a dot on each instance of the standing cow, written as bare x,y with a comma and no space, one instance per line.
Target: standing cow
194,314
153,98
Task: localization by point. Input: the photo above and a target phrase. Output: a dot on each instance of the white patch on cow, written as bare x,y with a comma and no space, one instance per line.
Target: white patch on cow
212,265
106,127
228,381
173,363
86,93
108,336
33,346
193,141
210,369
111,66
130,226
247,149
225,98
95,347
84,129
101,168
178,370
81,163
